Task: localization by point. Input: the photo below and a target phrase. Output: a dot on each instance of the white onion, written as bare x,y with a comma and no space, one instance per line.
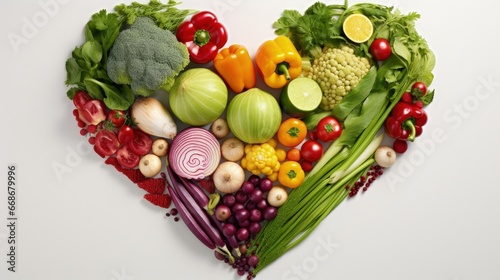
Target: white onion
194,153
152,117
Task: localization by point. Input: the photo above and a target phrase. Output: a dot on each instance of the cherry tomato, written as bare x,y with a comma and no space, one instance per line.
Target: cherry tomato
306,165
106,143
400,146
126,157
291,132
80,98
311,150
328,129
313,135
141,142
125,134
420,88
117,118
293,154
381,49
93,112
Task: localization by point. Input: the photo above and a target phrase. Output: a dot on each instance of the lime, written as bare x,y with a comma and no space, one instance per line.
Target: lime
357,28
300,97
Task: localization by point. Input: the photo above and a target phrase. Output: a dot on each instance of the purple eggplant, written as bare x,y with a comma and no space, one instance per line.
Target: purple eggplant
199,214
189,220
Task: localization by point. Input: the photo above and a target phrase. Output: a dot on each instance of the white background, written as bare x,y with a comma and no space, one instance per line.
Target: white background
433,216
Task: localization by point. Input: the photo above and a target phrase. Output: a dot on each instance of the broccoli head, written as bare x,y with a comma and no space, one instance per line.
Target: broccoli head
146,57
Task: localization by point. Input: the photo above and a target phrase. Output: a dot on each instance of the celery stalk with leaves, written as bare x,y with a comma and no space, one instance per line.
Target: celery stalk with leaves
363,115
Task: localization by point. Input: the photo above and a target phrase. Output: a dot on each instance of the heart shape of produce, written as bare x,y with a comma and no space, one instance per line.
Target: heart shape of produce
251,171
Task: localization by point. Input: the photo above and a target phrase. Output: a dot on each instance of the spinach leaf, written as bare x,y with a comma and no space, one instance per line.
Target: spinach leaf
359,119
356,96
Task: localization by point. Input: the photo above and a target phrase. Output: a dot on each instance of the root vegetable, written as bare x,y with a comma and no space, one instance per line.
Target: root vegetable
150,165
277,196
220,128
233,149
228,177
152,117
160,147
385,156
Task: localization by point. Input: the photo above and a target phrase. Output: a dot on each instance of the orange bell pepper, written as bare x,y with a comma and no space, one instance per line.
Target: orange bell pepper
235,66
278,61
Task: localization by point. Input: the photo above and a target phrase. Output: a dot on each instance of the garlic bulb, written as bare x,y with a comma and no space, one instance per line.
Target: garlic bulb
152,117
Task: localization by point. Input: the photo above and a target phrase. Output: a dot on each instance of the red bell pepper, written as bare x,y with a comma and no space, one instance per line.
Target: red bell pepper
405,121
203,36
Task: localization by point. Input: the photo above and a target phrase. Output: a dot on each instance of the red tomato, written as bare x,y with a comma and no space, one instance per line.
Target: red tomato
141,142
381,49
117,118
328,129
106,143
400,146
80,99
93,112
126,157
311,150
306,165
125,134
420,87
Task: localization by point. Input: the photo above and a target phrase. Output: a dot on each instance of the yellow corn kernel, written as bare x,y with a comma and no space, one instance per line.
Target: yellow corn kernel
273,177
272,142
267,170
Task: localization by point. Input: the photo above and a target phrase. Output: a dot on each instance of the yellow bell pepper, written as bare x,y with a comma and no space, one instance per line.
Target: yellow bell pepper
278,61
235,66
261,159
291,174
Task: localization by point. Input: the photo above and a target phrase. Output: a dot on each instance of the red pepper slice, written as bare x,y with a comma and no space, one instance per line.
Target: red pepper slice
203,36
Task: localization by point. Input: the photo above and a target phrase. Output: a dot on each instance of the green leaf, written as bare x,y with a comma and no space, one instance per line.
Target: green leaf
401,50
73,72
127,93
109,94
427,99
115,100
99,20
362,116
356,96
92,51
94,89
71,92
287,20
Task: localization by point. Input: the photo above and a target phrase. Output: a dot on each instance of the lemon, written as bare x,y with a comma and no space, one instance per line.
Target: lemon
357,28
300,97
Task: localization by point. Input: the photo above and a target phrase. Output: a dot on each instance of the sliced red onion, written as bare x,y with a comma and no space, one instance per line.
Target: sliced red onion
194,153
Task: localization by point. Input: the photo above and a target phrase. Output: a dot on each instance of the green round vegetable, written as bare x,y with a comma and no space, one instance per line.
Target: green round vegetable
198,97
254,116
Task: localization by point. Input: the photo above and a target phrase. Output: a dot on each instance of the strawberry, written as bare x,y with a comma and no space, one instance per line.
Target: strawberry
153,185
160,200
114,162
207,184
134,175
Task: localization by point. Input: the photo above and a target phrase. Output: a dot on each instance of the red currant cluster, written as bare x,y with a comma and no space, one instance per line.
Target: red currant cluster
364,182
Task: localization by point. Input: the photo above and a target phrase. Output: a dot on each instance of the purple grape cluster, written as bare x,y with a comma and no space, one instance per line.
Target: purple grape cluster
243,212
